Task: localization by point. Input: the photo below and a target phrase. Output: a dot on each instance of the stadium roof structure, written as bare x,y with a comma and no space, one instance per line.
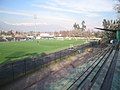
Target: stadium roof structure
117,31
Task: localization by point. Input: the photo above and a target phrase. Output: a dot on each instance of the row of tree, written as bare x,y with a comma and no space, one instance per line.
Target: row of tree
111,24
77,26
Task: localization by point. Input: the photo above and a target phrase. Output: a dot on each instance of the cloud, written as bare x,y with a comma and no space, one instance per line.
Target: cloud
89,14
29,24
55,8
89,8
86,5
15,13
92,15
42,17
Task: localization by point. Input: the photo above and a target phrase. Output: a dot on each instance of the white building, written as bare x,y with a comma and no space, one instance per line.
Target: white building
46,35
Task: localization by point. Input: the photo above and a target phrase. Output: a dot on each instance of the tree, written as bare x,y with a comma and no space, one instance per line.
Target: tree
75,26
109,24
78,26
105,23
83,25
117,9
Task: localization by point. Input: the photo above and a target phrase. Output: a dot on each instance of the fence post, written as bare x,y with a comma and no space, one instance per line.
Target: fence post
60,55
34,60
13,70
25,66
55,56
67,53
35,63
74,51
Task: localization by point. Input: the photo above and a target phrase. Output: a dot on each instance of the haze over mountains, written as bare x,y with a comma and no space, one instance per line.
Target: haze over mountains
26,27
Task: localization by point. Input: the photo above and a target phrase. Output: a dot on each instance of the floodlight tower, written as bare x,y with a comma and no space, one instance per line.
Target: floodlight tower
35,18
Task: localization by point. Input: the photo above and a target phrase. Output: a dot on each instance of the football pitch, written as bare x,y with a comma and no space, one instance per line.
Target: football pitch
17,50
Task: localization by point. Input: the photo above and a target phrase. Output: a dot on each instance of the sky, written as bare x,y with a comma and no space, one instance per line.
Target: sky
62,13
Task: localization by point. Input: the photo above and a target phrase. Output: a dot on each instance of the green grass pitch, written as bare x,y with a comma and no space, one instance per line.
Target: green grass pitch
16,50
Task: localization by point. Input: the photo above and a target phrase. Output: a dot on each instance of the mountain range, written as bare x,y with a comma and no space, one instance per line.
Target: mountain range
31,27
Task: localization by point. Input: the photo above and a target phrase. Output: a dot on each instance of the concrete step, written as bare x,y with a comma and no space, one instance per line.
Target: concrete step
86,74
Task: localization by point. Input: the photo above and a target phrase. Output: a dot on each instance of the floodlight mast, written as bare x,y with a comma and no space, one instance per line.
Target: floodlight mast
35,18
